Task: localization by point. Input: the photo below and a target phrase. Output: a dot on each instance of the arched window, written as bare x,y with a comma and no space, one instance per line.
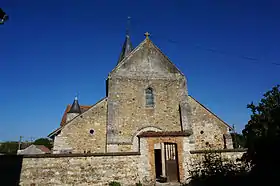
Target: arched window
149,97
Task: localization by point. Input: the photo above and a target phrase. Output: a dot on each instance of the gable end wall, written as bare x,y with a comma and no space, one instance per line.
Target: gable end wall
76,136
208,129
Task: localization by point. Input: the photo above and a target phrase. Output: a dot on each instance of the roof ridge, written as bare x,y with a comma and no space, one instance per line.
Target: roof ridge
68,108
125,58
167,58
58,129
147,39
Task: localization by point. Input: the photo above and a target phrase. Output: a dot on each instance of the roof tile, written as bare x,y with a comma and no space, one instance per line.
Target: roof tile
83,109
43,148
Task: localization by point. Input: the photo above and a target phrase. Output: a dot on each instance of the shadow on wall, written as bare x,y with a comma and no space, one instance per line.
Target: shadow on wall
10,169
263,159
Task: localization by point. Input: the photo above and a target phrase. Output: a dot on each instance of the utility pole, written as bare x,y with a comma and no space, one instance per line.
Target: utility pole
234,136
19,143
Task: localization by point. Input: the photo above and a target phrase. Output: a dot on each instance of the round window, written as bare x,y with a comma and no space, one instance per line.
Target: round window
91,131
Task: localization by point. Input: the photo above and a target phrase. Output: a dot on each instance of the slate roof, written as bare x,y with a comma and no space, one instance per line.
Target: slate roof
75,108
126,49
82,107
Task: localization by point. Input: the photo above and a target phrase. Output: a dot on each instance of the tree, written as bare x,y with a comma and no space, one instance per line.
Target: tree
43,141
10,147
238,140
262,133
3,16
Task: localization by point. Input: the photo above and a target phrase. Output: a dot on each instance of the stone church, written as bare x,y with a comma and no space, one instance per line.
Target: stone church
147,109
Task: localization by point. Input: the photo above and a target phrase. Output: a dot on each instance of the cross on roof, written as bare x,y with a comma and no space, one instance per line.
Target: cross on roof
147,34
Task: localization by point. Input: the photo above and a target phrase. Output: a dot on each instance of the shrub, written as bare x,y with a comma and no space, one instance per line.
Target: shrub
215,171
114,183
139,184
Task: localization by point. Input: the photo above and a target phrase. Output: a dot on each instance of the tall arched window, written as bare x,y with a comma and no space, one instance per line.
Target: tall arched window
149,97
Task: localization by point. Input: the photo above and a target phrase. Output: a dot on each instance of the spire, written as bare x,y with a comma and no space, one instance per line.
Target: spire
127,45
128,25
75,108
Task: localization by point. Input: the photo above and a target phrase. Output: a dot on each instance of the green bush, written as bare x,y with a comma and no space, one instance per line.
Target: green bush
138,184
114,183
213,171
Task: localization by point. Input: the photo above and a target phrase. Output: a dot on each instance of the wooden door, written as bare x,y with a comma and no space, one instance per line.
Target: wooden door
171,162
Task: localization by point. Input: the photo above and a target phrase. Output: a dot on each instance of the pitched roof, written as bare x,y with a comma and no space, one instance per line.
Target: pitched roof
43,148
139,47
34,149
82,107
126,49
75,108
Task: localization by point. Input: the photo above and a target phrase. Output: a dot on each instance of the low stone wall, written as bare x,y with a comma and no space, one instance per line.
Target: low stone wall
95,169
224,154
84,169
196,157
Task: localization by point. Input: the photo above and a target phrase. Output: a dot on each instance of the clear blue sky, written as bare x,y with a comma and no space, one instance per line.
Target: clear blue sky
52,49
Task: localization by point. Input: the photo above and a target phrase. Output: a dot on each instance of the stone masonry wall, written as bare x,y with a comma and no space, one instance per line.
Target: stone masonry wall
76,134
132,113
208,129
85,171
187,156
127,112
225,156
100,169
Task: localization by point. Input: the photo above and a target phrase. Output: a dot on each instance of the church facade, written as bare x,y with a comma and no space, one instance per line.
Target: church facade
147,109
